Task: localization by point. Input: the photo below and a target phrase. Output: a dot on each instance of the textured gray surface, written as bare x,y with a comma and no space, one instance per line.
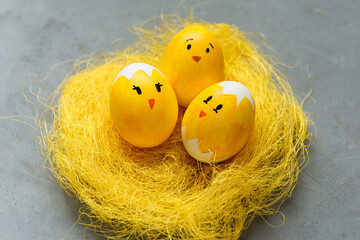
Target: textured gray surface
35,35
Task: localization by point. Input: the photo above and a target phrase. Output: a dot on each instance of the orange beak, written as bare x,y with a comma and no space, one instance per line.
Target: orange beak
196,58
151,103
202,114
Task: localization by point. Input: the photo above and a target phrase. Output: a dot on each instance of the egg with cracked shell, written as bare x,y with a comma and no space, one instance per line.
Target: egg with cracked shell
218,122
143,105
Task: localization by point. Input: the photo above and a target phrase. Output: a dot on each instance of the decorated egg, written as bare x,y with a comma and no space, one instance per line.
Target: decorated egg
218,122
143,105
192,62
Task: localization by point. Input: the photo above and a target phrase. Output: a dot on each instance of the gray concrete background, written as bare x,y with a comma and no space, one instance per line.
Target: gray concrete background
36,35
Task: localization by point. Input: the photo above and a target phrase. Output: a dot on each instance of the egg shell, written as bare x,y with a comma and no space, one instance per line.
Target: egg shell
192,62
218,122
143,105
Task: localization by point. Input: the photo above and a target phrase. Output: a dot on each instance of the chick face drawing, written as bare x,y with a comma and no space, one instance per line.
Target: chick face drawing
218,122
193,61
143,105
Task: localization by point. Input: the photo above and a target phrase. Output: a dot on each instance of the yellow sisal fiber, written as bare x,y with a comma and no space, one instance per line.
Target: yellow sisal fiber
162,192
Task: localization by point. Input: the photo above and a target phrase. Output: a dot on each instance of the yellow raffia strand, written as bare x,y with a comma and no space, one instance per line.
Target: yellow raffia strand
162,192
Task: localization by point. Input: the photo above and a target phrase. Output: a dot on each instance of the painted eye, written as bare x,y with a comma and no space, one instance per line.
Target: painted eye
218,108
207,50
158,87
188,46
138,90
207,100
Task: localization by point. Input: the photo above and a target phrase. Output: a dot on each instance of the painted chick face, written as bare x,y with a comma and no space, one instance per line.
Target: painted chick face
143,105
193,61
218,122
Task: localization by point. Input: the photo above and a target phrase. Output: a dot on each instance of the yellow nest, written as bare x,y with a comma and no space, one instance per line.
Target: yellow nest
162,192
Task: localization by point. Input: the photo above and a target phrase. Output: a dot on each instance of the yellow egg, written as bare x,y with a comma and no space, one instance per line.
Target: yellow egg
192,62
218,122
143,105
